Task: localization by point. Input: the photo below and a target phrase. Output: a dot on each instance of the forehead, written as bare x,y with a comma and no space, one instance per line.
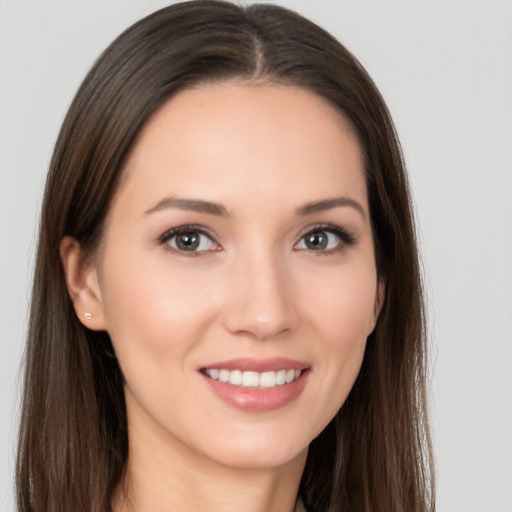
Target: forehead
226,141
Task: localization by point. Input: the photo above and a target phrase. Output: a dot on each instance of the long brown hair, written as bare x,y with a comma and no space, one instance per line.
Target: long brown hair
73,442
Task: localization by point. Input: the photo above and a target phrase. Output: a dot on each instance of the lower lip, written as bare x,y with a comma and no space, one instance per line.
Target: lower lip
255,399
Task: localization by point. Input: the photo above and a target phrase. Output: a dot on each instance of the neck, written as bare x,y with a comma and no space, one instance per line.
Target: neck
167,476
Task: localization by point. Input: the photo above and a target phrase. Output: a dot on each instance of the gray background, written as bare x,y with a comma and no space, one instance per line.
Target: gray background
445,69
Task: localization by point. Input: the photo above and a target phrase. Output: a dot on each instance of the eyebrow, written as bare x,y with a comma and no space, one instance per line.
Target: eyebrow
196,205
210,208
328,204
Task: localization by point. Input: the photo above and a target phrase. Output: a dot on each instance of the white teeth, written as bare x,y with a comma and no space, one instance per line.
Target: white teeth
281,377
290,376
268,379
250,379
235,377
214,374
263,380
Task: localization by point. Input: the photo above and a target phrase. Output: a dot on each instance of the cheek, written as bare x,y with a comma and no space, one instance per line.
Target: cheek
342,302
340,311
151,310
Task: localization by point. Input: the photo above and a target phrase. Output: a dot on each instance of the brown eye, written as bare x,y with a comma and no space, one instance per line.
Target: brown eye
317,240
326,239
191,241
187,241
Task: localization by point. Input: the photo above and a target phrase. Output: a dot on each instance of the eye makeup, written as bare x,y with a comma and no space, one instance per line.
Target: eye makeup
317,240
189,240
196,240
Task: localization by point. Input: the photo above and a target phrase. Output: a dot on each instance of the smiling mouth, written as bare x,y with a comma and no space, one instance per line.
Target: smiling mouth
252,379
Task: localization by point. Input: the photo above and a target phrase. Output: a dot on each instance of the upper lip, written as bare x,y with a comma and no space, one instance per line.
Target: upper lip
258,365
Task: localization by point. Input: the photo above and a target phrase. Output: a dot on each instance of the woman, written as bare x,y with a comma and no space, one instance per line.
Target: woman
227,307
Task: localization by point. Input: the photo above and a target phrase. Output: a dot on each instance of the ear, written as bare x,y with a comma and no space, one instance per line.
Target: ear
83,285
377,308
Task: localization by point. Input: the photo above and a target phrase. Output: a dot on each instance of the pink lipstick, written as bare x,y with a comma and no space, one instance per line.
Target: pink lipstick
256,385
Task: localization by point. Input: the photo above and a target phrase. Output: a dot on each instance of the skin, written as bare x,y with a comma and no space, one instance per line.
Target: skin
255,289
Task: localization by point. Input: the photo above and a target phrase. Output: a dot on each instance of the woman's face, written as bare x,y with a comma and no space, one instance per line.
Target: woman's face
238,248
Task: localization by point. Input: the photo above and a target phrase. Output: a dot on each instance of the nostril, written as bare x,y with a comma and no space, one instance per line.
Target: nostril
260,305
246,322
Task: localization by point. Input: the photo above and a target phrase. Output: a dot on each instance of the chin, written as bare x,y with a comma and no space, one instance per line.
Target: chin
261,458
269,447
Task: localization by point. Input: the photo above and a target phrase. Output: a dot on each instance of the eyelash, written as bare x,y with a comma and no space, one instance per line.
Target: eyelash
171,233
346,239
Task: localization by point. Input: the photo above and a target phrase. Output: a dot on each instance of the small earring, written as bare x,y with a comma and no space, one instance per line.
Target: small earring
87,315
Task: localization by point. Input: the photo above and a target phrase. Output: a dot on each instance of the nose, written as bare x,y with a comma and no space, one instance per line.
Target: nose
261,303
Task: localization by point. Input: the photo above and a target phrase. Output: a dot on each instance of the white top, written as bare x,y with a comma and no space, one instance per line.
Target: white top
300,506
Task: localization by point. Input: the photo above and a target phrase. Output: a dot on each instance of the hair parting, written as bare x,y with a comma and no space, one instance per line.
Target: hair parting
73,441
